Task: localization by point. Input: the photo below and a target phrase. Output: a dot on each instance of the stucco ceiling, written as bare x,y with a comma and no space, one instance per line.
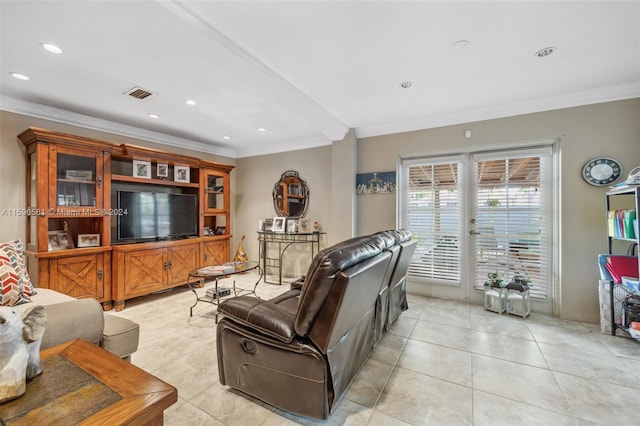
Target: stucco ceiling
307,71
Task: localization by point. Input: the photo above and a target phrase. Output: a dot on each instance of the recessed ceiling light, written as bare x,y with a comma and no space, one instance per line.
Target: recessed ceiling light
51,48
262,129
190,102
20,76
226,137
152,115
545,52
406,84
460,44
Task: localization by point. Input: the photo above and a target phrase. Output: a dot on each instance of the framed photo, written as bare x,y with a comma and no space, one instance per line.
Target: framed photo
59,240
267,225
162,170
304,225
220,230
142,169
181,174
292,225
88,240
82,175
279,224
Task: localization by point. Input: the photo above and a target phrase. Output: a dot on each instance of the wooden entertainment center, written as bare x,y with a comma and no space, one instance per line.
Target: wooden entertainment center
74,243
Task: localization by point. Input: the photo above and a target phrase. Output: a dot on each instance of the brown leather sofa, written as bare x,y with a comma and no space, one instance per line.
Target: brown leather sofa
301,350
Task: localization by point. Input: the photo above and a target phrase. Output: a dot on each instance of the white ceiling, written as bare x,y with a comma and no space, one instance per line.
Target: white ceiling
307,71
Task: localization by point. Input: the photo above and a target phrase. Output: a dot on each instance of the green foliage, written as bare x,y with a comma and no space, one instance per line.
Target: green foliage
494,280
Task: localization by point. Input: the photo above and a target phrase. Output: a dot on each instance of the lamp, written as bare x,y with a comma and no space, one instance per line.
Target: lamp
518,301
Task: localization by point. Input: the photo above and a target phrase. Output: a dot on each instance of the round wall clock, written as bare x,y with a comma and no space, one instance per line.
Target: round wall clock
601,171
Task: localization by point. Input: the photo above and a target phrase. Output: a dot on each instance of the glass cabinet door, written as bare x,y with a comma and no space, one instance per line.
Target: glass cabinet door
32,240
214,192
78,180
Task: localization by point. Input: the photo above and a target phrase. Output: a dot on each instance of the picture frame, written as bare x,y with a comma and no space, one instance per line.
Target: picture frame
181,174
220,230
88,240
279,224
376,183
267,225
142,169
292,225
59,240
304,225
80,175
162,170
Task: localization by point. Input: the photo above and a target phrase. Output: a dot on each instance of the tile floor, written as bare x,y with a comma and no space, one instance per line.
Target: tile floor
442,363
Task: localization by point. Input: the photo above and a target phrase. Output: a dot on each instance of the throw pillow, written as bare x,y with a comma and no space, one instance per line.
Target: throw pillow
13,254
10,284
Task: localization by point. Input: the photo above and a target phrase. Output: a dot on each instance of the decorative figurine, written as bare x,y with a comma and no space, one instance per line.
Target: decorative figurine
20,339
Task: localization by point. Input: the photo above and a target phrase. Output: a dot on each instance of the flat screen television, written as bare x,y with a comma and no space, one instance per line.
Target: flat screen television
156,216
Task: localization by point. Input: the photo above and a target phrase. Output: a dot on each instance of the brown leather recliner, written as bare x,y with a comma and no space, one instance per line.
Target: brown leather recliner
398,282
300,351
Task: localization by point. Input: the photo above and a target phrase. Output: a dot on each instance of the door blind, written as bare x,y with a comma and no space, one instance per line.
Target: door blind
433,211
513,218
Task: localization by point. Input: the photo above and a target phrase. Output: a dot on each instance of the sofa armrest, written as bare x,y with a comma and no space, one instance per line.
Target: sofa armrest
81,318
261,315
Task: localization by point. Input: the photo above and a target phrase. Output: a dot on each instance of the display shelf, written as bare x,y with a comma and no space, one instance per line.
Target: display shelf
163,182
624,198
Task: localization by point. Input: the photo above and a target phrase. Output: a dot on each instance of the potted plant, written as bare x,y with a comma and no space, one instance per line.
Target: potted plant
494,280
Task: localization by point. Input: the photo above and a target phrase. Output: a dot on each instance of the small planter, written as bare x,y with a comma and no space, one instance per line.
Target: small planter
495,296
495,299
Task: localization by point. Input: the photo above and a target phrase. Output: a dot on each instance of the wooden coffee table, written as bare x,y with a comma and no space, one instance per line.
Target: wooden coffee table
84,384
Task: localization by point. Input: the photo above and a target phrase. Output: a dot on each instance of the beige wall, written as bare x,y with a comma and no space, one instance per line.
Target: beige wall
608,129
256,177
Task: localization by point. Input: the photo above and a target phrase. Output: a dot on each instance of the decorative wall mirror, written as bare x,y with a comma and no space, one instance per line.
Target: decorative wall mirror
291,195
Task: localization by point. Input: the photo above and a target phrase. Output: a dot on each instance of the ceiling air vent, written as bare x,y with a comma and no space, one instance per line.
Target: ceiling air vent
138,93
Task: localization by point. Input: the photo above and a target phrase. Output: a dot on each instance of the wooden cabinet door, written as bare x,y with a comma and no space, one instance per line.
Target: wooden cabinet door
182,259
79,276
145,271
216,252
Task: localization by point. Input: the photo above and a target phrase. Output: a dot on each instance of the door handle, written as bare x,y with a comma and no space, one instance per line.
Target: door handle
473,232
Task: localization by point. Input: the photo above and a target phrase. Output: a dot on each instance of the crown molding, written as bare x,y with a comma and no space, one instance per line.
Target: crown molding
65,117
608,94
291,145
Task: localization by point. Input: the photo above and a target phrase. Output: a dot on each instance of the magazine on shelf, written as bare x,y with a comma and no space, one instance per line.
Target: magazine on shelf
222,291
217,269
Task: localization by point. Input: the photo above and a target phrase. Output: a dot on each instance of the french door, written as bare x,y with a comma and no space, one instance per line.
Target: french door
480,213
